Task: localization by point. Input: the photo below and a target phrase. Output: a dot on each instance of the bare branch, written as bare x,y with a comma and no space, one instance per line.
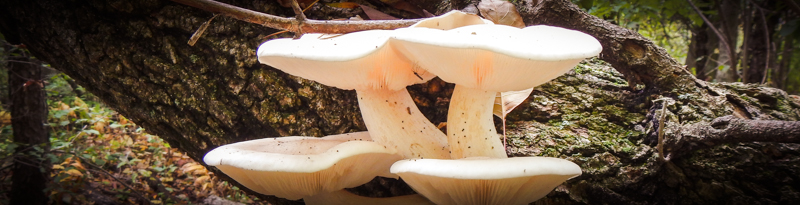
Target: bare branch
730,129
292,24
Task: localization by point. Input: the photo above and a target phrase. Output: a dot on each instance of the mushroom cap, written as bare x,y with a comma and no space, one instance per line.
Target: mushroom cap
497,57
358,60
451,20
518,180
297,167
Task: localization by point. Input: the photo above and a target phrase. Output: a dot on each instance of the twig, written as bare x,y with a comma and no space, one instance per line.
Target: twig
300,17
310,5
197,34
766,38
291,24
661,124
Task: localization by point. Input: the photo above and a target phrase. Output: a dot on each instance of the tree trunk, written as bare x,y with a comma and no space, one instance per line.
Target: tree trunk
729,13
698,51
787,50
28,119
761,49
132,55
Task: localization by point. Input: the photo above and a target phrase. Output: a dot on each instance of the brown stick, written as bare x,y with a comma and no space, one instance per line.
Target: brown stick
292,24
730,129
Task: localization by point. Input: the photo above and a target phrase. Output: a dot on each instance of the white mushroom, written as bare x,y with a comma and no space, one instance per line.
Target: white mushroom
368,62
485,59
299,167
519,180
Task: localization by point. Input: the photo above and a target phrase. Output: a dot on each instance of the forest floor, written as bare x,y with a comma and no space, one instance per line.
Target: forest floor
100,157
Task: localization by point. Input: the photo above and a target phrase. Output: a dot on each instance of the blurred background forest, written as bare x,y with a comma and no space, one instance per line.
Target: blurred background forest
94,150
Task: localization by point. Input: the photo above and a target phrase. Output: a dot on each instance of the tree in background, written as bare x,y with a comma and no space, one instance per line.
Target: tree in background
761,34
28,119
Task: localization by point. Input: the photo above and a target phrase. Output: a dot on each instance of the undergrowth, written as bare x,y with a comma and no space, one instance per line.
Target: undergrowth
100,157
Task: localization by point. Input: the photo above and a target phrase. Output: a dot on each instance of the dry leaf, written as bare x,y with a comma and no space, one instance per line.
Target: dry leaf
191,167
501,12
507,101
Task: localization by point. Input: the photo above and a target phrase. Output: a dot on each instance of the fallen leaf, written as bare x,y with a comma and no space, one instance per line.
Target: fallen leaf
501,12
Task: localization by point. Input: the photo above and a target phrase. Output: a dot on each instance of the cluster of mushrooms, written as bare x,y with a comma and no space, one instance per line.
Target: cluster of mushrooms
468,165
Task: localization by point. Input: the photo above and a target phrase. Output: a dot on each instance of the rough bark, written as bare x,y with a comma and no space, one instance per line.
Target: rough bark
601,115
28,119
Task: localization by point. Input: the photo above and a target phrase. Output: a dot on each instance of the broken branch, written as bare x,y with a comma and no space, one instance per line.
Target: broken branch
292,24
730,129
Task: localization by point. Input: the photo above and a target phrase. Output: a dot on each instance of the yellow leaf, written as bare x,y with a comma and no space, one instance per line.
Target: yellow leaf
344,5
200,171
191,167
200,180
78,165
74,172
79,103
55,166
5,118
63,106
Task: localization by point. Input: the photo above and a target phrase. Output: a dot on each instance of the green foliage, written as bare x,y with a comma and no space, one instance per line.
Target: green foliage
664,22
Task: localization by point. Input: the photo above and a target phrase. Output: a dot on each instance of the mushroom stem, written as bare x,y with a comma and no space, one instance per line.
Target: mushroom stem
345,197
470,126
394,120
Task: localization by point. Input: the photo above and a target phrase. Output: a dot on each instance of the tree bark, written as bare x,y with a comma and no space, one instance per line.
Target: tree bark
132,55
28,119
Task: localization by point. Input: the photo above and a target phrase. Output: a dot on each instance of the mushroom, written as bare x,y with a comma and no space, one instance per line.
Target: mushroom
369,63
483,60
451,20
301,167
519,180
